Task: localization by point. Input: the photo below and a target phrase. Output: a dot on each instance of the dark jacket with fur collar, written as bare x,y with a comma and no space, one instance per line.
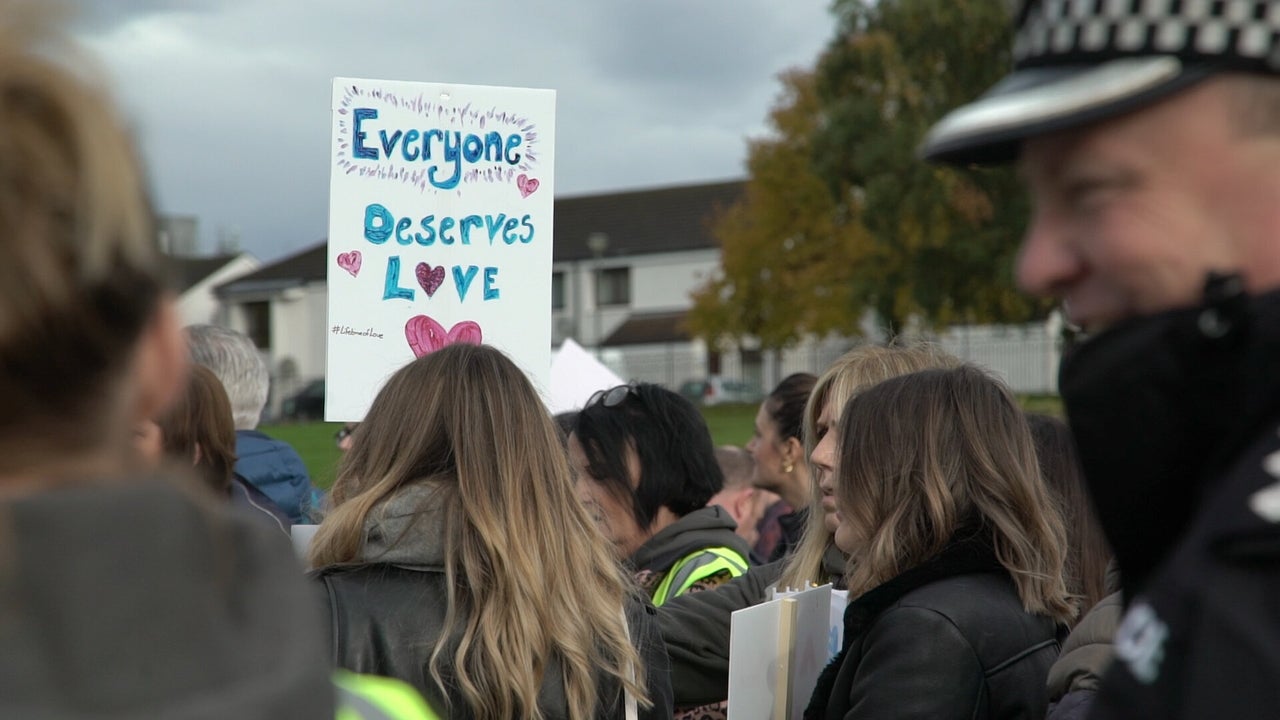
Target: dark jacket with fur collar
387,614
947,639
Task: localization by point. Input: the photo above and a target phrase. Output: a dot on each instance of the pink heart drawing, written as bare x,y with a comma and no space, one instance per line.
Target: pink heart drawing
425,335
350,261
430,278
526,184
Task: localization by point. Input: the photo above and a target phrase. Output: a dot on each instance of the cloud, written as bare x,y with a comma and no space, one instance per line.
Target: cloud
231,99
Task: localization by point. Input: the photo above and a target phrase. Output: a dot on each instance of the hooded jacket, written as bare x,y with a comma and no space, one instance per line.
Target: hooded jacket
1086,655
700,549
142,600
275,468
387,613
1177,418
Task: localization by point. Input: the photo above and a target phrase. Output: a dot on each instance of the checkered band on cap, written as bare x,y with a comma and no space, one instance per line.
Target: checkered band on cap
1234,33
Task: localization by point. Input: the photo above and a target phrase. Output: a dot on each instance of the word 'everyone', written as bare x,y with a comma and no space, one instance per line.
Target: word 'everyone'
434,145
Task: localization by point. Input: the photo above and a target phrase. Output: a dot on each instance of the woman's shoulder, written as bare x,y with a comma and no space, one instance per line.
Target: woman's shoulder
986,612
379,584
969,594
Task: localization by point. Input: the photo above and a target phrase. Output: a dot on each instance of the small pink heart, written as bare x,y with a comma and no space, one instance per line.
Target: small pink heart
526,184
425,335
430,278
350,261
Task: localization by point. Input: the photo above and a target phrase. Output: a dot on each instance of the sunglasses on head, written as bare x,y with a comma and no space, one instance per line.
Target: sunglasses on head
613,397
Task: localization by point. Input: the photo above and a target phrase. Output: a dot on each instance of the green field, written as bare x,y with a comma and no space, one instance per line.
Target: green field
729,424
315,443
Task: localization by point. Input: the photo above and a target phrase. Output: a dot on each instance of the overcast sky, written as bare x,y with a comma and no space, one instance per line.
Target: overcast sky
230,98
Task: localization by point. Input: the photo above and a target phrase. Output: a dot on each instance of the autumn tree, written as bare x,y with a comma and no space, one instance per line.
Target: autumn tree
787,248
941,241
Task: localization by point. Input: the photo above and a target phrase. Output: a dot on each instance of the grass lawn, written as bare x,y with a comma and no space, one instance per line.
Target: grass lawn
314,442
730,425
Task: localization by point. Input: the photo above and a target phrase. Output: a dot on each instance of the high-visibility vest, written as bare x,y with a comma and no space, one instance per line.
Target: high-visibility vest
369,697
696,566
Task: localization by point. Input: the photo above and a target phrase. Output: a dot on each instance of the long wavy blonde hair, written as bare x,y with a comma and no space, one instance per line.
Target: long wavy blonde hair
853,372
530,581
926,455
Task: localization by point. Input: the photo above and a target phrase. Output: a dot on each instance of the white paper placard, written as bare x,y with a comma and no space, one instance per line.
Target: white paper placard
809,646
777,650
758,661
440,229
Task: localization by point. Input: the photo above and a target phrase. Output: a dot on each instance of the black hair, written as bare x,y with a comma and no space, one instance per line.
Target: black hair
565,422
678,468
786,404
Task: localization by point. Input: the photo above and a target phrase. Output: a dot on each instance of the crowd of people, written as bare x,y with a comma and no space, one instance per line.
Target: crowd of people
478,558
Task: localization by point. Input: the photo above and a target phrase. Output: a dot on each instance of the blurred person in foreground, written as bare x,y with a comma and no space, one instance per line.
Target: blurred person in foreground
124,594
1149,137
270,465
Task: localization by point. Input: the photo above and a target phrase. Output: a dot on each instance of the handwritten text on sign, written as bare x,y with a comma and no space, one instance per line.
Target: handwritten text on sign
440,217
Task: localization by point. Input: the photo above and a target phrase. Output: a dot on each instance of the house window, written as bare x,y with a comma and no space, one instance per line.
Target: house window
613,286
557,291
257,316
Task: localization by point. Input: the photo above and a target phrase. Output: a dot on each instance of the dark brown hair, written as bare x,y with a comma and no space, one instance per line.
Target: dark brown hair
785,404
199,427
1088,552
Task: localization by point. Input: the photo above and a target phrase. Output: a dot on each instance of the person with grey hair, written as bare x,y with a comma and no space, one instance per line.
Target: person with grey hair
270,465
1148,134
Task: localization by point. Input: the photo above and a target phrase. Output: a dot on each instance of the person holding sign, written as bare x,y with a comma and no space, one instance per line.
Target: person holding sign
956,554
646,469
456,556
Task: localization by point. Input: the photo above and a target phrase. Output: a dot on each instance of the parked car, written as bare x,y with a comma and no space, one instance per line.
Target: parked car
716,390
306,404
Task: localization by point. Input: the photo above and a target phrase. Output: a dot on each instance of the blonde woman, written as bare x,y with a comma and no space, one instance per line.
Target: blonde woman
696,627
955,554
457,557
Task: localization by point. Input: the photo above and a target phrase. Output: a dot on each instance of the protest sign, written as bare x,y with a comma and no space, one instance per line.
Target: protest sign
776,652
440,229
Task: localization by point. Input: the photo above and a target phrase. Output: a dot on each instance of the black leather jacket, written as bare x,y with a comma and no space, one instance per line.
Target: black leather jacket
387,613
386,620
948,639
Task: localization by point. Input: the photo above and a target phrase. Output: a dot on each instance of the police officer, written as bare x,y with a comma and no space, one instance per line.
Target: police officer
1148,132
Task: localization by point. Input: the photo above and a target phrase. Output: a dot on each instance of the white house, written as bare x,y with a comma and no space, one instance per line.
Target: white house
624,267
283,307
197,277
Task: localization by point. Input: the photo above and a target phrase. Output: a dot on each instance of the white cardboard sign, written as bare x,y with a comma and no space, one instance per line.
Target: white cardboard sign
777,650
440,229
